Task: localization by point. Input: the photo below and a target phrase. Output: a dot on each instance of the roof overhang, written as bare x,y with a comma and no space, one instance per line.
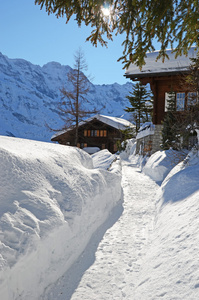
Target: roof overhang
157,68
139,76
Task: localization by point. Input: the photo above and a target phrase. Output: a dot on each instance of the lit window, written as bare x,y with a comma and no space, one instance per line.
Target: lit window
180,101
83,145
96,133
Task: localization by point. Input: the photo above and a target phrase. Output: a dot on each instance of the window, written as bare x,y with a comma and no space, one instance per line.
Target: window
87,132
83,145
103,146
180,101
167,98
96,133
192,98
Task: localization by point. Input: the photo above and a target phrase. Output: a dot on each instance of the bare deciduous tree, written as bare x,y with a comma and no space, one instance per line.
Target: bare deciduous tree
73,105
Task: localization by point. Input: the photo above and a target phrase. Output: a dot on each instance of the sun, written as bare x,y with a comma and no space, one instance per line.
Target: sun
106,11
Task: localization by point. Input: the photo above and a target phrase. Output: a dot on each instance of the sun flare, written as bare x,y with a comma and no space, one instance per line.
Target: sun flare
106,11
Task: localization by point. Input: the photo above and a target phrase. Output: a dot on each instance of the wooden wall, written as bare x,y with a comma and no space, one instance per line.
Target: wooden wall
159,86
108,142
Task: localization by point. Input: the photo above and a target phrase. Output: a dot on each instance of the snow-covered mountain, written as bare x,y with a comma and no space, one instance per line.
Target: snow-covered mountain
29,95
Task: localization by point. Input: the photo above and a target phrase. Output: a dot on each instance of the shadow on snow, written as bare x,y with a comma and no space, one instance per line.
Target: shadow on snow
64,288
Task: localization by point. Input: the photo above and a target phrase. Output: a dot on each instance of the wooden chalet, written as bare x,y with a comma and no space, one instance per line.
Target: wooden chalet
163,78
98,131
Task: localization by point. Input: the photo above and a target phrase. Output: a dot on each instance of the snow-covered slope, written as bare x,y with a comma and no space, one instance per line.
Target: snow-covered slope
29,95
151,252
170,268
52,200
162,162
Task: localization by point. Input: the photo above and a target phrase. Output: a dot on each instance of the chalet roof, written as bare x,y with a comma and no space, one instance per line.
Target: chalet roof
170,66
115,122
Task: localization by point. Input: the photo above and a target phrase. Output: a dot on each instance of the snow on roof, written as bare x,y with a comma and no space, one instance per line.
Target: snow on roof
115,122
179,64
145,130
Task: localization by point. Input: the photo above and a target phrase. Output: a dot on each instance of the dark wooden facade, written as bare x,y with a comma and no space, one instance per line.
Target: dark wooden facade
92,134
164,78
160,85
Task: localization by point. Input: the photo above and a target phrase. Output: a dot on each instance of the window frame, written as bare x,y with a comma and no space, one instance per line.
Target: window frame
180,101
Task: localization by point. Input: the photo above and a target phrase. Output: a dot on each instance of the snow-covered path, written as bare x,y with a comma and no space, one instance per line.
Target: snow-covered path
119,256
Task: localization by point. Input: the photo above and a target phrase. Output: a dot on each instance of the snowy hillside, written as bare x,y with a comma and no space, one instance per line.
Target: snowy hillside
170,269
29,95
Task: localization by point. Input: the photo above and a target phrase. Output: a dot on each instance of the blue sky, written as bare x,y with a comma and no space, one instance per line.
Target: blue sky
29,33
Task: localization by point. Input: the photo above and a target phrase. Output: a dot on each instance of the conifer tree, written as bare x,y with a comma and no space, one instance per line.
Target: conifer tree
170,22
170,136
192,107
140,104
179,126
192,80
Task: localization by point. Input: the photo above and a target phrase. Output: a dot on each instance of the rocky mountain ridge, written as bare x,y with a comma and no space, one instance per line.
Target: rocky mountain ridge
29,95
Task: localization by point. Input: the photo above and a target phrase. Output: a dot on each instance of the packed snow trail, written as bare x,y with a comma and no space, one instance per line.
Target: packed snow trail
118,258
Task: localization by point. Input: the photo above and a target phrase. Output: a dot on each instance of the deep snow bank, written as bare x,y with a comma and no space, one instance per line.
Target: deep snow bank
170,268
161,163
103,159
51,202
